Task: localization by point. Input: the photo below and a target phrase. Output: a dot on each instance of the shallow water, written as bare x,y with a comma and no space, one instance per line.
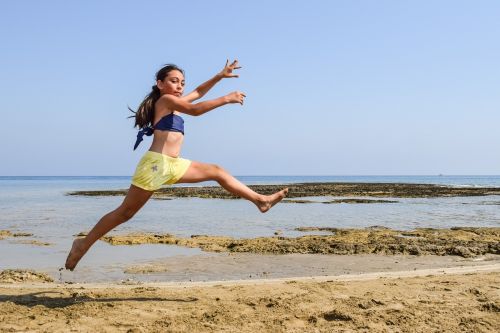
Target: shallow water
39,205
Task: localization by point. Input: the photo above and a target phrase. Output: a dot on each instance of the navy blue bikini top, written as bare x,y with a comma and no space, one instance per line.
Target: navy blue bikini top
170,122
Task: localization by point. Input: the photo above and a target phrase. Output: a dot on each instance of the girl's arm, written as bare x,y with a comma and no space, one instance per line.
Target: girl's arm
203,88
180,104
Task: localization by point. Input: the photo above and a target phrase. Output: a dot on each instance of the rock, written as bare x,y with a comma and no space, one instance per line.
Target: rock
20,275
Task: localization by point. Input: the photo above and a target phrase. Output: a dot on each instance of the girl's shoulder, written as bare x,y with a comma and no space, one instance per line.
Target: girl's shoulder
161,107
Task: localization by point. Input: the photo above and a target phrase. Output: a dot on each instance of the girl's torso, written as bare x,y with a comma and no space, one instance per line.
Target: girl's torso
166,142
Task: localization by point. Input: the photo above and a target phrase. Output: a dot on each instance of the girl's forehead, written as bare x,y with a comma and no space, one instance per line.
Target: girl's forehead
175,73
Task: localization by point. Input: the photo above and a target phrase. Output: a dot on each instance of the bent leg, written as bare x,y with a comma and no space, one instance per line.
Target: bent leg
134,200
199,172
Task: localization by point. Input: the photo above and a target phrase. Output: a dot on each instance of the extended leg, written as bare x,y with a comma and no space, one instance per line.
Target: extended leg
199,172
135,199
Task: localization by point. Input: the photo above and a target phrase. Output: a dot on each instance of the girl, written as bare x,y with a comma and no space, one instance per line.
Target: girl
161,164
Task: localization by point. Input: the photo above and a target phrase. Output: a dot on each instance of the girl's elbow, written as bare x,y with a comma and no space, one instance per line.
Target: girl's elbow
199,94
193,111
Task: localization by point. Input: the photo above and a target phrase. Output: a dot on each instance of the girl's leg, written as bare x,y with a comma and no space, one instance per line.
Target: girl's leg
199,172
135,199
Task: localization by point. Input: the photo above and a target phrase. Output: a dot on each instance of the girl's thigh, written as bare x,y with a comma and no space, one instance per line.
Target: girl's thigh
200,172
136,198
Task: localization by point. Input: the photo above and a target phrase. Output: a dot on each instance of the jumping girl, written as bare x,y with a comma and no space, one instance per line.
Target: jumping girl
158,114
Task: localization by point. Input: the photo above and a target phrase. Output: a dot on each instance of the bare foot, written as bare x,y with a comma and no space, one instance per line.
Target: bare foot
271,200
76,253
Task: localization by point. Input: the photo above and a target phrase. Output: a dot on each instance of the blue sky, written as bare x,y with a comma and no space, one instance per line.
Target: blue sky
334,87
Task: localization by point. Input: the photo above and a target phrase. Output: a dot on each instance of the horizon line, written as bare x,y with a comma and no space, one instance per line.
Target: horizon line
339,175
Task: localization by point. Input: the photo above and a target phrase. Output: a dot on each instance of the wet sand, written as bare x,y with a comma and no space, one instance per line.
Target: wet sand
247,266
449,300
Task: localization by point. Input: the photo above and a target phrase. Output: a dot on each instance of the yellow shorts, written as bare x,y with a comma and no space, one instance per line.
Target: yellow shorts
155,169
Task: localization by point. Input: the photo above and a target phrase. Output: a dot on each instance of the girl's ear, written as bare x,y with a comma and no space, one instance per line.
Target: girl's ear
159,84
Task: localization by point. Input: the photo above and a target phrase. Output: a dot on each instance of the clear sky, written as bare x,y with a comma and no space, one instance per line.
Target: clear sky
333,87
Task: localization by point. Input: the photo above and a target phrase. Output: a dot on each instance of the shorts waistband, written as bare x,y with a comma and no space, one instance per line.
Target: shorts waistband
158,155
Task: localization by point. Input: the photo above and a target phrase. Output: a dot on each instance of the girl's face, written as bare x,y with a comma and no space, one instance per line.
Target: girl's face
172,84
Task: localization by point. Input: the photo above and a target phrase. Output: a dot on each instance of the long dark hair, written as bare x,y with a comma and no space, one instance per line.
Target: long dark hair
146,111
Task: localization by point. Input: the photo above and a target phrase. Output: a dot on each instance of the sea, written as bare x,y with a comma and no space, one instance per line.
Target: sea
41,206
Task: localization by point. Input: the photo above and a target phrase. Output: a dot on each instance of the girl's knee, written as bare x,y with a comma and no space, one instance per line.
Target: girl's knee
217,171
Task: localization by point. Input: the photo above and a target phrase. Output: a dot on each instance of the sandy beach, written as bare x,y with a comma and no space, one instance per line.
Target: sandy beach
460,299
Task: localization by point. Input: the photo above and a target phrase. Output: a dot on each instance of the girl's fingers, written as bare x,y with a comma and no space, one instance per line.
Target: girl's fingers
234,65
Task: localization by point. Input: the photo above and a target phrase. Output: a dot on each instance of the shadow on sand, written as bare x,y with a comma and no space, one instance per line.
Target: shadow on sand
41,298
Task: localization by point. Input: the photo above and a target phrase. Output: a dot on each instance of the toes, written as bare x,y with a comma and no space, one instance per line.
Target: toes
74,253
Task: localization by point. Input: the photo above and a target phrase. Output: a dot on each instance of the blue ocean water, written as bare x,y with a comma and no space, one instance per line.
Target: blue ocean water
40,206
452,180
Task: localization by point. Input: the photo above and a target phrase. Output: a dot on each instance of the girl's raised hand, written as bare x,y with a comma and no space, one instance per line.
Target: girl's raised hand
236,97
228,69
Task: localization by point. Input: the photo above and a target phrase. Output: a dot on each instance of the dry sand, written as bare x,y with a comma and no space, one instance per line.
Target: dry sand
446,300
